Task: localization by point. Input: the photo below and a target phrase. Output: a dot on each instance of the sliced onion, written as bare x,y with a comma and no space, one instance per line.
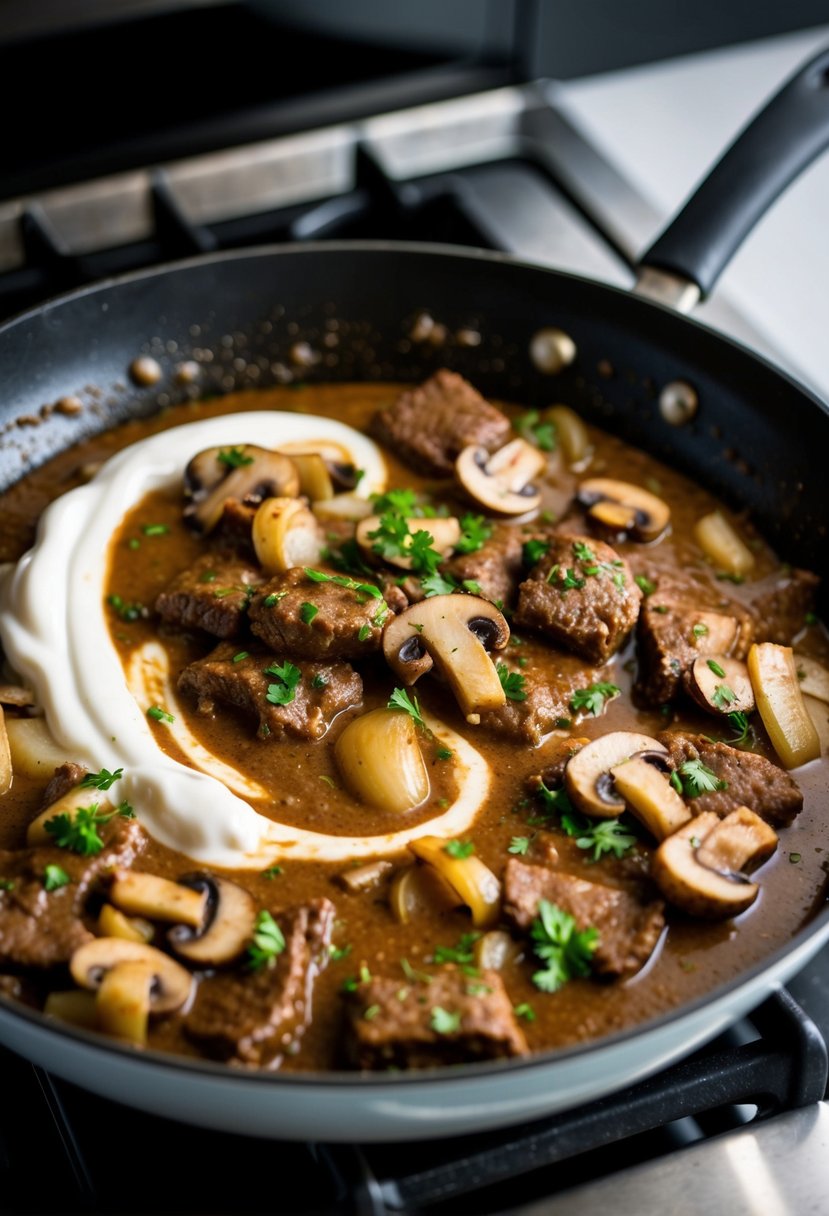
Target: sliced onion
381,762
474,883
721,544
780,701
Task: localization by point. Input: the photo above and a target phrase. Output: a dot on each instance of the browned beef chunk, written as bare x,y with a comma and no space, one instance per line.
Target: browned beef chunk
66,777
452,1020
322,691
347,624
548,687
428,426
233,530
752,780
679,621
257,1017
398,595
782,607
40,928
629,925
212,594
496,567
587,604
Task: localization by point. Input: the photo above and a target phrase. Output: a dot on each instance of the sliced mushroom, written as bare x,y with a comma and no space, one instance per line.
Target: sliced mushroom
648,793
780,702
473,882
251,475
587,776
812,677
445,532
285,534
140,894
721,544
714,632
381,762
721,685
113,923
701,868
14,694
5,757
455,632
364,878
227,925
502,482
171,988
624,509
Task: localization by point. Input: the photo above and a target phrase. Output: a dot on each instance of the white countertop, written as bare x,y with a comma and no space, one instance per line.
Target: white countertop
665,124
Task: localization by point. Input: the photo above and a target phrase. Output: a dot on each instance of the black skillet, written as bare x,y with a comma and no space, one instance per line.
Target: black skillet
751,435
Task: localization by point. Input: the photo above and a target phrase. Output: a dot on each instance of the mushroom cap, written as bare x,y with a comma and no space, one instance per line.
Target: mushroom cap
587,776
501,482
700,889
209,482
728,693
172,985
454,631
228,925
624,508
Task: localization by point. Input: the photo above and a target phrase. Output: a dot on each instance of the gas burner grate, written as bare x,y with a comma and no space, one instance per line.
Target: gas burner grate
62,1149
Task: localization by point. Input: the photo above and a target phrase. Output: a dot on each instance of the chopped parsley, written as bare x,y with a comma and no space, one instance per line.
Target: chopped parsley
542,434
568,579
475,532
307,612
564,950
592,699
556,800
54,877
600,835
234,458
102,780
342,580
444,1022
353,982
438,584
794,858
6,884
242,654
644,584
155,529
403,501
694,778
338,953
288,676
519,845
371,1012
126,612
462,954
274,598
78,831
583,552
700,630
444,753
319,681
532,551
364,633
525,1011
742,726
715,667
723,696
272,872
400,699
413,975
160,715
459,849
268,942
511,682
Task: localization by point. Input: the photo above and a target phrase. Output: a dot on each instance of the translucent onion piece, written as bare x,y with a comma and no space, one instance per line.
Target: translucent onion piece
571,433
123,1001
721,544
381,763
285,534
112,923
75,1007
5,757
418,890
773,675
34,750
475,884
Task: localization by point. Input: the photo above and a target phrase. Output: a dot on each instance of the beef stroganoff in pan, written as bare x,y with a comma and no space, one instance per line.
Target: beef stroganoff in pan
385,726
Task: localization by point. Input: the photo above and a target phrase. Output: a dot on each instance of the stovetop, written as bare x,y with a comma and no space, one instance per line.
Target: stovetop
430,152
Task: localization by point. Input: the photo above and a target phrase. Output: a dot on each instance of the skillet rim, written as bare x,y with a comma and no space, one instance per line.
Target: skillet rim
818,924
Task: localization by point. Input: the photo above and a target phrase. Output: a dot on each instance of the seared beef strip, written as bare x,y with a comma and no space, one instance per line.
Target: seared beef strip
629,927
496,567
393,1023
752,780
428,426
547,690
40,928
680,621
212,594
781,610
347,624
322,691
256,1017
588,604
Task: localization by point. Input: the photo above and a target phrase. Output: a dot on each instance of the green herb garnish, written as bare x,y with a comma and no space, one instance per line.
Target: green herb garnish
234,458
444,1022
288,677
101,780
54,877
564,950
268,942
410,705
160,715
593,698
459,849
511,682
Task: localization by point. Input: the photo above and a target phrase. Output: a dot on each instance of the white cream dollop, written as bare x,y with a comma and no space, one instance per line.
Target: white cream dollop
54,632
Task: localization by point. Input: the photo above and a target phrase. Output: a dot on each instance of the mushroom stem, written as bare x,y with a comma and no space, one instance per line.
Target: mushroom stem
123,1002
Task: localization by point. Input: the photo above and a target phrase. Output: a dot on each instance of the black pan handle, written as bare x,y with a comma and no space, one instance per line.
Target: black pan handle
777,145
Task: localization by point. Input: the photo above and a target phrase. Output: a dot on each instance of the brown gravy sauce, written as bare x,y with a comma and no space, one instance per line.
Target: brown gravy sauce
692,958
